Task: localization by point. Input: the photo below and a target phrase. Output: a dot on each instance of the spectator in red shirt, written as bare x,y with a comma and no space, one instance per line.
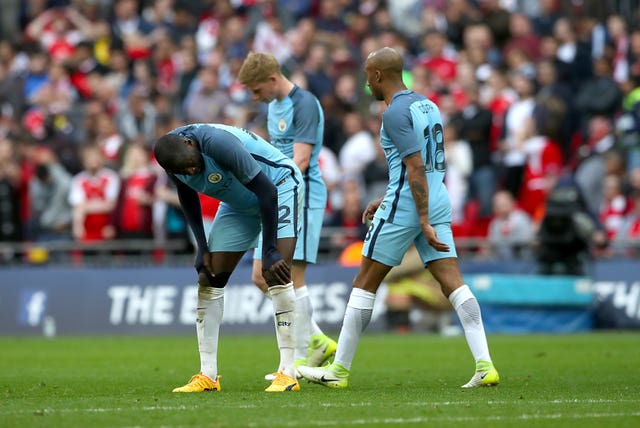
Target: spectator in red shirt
630,226
522,37
498,96
544,160
131,29
59,30
435,59
615,206
133,217
93,196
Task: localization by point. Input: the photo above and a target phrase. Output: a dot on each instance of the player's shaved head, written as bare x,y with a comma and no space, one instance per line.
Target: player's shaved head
383,68
169,151
385,59
176,154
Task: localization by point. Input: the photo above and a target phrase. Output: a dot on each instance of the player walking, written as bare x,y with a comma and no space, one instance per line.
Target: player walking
415,209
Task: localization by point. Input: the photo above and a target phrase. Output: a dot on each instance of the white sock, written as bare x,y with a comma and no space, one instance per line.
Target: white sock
284,301
315,328
275,323
303,314
208,319
356,319
468,311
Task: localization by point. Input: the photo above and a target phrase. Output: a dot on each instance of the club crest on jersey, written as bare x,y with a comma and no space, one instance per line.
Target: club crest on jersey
214,177
282,125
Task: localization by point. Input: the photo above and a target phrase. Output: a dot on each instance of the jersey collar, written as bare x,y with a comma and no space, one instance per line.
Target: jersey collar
403,92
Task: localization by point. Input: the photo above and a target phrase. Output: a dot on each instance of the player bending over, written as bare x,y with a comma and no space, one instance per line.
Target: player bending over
259,188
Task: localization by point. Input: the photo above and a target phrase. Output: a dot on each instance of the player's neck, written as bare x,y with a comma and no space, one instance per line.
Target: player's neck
284,88
392,90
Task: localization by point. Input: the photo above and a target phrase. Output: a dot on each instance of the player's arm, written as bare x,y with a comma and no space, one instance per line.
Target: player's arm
190,204
267,194
302,155
274,268
420,192
306,119
418,185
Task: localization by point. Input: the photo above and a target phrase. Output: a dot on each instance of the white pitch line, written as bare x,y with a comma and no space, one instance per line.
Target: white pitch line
320,404
420,420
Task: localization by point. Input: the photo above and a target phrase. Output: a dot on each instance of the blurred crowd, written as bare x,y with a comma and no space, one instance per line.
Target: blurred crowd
530,92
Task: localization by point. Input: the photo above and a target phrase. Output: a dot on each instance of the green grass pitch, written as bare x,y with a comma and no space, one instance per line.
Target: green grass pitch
590,380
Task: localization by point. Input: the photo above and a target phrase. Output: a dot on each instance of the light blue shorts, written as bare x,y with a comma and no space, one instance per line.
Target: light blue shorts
387,242
308,236
237,230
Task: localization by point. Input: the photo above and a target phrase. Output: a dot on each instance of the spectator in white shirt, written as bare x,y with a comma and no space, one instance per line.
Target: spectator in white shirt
510,229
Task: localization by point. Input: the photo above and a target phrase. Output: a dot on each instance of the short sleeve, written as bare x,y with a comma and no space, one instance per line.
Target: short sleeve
306,119
398,125
228,151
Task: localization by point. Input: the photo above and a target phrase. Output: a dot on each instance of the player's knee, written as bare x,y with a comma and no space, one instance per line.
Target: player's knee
370,287
220,279
217,281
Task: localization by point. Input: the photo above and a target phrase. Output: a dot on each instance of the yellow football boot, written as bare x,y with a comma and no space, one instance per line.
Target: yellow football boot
283,383
200,383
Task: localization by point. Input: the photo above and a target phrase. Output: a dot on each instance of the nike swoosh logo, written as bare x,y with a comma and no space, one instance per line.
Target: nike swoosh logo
482,376
283,312
323,379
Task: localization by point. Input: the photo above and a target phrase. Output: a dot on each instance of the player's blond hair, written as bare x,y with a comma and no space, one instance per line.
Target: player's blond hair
257,68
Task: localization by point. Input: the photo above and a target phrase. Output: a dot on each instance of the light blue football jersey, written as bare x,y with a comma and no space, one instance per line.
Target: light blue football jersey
412,124
298,118
233,157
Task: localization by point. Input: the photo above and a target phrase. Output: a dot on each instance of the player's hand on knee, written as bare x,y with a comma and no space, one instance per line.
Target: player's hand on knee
205,279
203,259
278,273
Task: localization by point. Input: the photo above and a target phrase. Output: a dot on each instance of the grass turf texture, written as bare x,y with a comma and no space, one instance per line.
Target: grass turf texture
547,381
